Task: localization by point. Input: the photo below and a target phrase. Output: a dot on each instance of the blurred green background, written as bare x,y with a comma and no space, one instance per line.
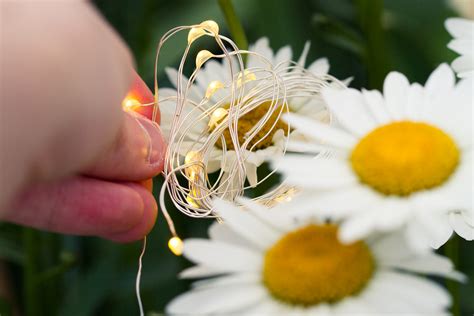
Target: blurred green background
49,274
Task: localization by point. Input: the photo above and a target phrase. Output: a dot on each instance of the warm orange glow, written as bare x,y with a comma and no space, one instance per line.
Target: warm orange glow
130,103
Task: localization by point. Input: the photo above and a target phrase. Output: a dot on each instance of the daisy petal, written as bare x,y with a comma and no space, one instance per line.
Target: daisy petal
348,107
376,104
193,91
245,224
319,67
222,232
304,54
222,256
395,90
356,228
228,280
262,48
410,293
224,300
459,27
320,132
442,79
461,46
460,226
283,57
199,272
327,173
463,65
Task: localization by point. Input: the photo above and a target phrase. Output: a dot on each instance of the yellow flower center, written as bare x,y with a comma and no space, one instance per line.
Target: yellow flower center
404,157
249,120
310,266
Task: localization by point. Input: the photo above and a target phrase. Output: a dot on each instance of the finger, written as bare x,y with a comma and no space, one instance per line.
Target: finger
61,104
146,223
86,206
141,100
137,154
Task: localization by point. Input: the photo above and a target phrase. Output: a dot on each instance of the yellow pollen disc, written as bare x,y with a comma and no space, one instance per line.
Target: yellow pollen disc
310,266
404,157
249,120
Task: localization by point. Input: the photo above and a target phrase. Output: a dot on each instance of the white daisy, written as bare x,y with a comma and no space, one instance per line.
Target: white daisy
263,263
463,43
272,143
401,159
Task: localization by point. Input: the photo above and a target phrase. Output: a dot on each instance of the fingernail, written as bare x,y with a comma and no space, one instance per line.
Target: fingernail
155,150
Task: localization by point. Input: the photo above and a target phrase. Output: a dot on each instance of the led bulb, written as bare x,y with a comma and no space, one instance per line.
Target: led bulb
247,76
216,117
210,26
176,245
213,87
202,57
192,201
130,103
193,171
195,33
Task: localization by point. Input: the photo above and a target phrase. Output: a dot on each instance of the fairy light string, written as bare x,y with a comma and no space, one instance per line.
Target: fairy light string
247,89
220,108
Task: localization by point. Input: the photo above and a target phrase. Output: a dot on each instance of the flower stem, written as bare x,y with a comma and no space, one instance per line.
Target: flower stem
452,251
376,59
235,26
30,288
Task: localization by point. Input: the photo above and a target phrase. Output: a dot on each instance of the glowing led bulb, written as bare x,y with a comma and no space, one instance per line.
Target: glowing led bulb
216,117
176,245
202,57
210,26
195,33
129,103
191,201
213,87
247,76
194,170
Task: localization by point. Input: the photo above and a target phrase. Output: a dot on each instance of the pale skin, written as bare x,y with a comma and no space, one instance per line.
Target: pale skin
70,158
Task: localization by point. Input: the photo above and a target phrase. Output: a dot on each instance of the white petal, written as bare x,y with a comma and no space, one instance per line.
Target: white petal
461,227
406,293
357,227
395,90
222,256
459,27
228,280
462,46
304,54
352,306
349,108
199,272
320,132
222,232
283,57
194,93
415,102
245,224
440,80
310,172
436,227
260,47
251,170
392,251
319,67
376,104
334,204
463,64
219,300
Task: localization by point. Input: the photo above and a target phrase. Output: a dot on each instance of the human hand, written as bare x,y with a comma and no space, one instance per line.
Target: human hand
71,158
